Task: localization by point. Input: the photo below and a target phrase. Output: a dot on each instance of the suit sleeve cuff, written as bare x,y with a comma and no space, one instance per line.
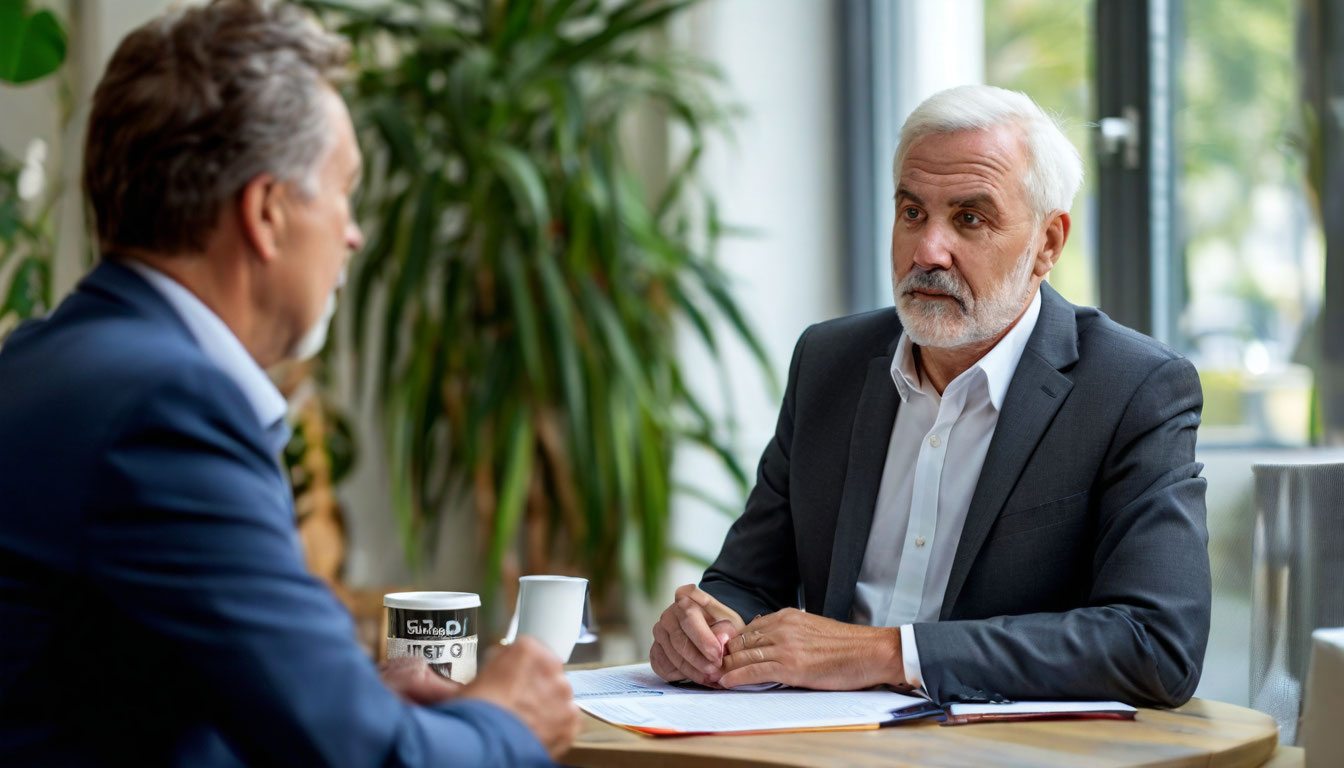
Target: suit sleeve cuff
473,732
910,660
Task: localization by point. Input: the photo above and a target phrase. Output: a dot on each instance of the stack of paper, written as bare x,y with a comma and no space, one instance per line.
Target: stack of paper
636,698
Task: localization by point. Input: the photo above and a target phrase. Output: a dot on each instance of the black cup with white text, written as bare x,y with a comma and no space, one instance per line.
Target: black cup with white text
439,627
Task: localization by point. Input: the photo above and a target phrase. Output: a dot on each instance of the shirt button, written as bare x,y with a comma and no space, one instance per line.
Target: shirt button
919,542
935,441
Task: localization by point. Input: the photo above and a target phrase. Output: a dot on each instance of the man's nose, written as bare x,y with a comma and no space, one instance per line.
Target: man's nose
934,248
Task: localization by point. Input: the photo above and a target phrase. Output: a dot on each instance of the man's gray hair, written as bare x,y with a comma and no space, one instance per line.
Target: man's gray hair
1055,169
193,106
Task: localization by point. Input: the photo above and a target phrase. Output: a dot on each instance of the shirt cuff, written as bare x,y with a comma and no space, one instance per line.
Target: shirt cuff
910,660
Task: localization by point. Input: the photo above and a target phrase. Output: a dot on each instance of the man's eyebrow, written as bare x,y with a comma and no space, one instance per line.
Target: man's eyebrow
976,201
902,192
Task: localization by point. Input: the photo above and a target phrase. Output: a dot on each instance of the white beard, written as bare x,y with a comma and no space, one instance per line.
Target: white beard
316,337
945,324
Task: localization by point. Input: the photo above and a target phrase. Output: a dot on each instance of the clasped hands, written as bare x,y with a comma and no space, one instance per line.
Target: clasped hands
702,640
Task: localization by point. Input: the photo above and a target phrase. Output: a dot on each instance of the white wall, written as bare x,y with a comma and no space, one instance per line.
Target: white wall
779,178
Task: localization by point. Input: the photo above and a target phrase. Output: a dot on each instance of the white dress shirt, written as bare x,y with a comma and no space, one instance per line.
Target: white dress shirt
223,349
921,508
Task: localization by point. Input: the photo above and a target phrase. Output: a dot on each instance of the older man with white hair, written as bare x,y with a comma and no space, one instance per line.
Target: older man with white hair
987,494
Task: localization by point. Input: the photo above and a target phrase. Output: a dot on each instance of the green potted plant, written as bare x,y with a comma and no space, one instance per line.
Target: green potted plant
531,283
32,46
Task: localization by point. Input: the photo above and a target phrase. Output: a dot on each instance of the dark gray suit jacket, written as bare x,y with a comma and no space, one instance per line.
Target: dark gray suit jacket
1082,571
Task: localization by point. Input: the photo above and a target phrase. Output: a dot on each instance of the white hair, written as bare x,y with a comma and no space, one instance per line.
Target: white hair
1055,169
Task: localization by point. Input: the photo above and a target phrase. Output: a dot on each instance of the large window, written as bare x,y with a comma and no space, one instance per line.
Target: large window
1196,223
1044,48
1247,241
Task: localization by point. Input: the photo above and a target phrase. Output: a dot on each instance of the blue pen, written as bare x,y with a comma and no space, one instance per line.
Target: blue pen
600,694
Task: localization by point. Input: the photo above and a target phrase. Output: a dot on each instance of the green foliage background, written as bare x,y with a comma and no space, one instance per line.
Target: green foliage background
522,286
32,46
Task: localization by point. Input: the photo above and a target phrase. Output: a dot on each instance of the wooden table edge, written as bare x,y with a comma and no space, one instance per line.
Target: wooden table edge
1174,729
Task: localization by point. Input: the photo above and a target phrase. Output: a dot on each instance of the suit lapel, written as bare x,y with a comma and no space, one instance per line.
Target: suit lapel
873,421
1037,391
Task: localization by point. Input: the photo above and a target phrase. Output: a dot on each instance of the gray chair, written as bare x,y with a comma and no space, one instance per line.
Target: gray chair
1323,707
1297,574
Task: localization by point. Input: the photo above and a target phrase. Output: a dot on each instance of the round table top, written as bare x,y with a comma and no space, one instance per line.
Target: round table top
1201,733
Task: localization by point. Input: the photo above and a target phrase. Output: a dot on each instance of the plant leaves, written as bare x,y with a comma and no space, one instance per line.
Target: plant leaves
524,182
524,316
698,561
398,136
653,472
716,285
31,46
533,283
512,492
730,511
414,264
621,25
28,289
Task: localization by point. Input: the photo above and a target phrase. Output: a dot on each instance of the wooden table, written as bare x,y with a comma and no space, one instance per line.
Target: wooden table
1201,733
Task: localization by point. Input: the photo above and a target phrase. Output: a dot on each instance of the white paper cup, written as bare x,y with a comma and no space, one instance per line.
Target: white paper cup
439,627
550,608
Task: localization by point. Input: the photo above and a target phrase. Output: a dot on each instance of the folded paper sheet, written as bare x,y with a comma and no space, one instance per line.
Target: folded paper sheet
636,698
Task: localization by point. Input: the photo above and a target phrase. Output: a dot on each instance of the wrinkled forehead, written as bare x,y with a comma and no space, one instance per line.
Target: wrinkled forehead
991,161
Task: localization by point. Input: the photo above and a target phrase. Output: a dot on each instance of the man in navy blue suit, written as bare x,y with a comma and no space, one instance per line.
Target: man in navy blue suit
154,606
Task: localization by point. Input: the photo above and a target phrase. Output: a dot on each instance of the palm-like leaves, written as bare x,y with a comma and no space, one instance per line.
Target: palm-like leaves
32,46
531,285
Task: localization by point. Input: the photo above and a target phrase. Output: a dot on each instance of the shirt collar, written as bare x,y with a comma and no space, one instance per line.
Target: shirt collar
219,344
998,364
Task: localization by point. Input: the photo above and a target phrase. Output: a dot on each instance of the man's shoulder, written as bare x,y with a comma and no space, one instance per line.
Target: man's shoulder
866,333
92,364
85,390
102,347
1107,345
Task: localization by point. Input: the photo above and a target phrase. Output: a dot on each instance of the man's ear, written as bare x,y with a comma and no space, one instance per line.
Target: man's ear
261,215
1056,235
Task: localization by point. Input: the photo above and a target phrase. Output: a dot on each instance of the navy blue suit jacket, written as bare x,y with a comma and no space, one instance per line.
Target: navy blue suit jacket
154,607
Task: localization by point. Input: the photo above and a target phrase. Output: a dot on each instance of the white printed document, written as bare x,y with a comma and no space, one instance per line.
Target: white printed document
634,697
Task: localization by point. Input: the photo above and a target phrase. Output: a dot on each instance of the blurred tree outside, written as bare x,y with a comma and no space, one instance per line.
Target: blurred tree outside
1044,49
1250,250
1253,252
